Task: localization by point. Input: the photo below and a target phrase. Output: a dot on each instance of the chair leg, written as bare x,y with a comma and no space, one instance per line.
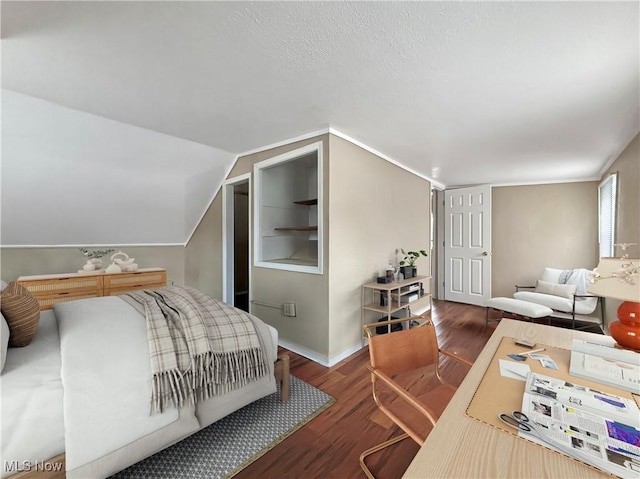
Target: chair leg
377,448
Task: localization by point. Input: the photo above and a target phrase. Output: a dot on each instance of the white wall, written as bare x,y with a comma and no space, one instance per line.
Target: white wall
72,178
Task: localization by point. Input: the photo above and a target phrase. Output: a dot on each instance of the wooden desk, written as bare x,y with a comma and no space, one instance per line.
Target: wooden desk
460,446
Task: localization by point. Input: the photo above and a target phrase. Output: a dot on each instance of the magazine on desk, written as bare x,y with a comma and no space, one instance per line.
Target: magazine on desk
598,428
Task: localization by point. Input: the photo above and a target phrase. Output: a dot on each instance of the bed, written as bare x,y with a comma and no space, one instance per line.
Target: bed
89,366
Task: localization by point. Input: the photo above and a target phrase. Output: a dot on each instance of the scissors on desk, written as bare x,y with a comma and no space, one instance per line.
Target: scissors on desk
519,420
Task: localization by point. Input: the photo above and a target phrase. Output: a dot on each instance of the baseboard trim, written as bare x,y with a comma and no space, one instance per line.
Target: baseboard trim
315,356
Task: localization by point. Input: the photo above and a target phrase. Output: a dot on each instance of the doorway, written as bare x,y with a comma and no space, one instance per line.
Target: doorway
241,246
236,274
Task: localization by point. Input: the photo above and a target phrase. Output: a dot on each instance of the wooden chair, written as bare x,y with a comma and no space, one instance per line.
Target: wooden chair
394,354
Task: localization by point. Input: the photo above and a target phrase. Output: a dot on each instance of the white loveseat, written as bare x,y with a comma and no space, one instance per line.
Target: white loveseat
565,292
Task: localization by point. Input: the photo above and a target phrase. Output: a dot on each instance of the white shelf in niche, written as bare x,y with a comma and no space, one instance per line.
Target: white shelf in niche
296,228
294,261
288,206
311,202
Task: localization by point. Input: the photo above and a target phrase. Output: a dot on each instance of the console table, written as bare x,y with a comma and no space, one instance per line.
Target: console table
50,289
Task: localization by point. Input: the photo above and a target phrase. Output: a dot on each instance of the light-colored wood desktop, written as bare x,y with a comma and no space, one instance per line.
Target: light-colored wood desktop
461,446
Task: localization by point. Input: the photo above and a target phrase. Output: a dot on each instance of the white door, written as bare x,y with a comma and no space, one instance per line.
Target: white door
467,251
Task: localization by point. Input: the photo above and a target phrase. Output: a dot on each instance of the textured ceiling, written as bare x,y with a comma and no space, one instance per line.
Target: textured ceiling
463,93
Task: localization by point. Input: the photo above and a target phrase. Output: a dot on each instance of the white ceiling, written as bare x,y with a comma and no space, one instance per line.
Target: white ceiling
460,92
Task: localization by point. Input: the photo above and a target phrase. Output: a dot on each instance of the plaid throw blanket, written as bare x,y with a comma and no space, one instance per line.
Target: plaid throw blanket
199,347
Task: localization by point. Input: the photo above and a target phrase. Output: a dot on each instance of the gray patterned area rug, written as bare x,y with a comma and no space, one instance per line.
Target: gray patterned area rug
227,446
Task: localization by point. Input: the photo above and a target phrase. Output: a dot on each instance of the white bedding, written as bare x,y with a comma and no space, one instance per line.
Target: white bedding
107,379
96,351
32,424
107,388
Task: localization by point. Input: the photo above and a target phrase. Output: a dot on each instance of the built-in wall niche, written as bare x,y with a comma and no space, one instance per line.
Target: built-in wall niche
288,211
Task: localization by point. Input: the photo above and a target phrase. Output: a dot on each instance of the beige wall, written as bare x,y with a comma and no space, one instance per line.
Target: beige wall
628,167
203,253
542,226
371,209
203,268
310,293
376,208
29,261
557,226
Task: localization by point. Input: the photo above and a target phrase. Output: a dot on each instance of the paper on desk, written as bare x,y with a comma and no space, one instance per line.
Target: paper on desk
511,369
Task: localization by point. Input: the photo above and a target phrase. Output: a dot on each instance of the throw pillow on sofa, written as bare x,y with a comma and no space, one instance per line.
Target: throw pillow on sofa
551,275
22,312
555,289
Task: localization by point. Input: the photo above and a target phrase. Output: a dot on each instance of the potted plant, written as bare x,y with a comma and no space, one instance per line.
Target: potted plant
408,262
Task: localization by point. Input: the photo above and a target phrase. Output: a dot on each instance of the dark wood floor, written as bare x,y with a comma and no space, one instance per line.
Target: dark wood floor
329,446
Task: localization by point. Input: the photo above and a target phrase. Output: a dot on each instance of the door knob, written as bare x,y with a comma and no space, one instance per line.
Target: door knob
484,253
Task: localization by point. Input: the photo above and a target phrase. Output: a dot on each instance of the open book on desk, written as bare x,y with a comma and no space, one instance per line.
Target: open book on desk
598,428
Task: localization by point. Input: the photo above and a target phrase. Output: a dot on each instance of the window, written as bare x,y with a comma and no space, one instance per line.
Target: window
607,215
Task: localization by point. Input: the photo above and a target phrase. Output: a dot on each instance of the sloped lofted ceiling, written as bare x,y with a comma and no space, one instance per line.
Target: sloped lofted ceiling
459,92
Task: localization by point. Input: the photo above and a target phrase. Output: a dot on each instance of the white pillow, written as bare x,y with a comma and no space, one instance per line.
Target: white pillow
562,290
551,275
4,340
3,284
579,277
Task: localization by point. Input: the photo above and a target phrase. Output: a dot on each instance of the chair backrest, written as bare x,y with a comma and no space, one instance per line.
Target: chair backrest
402,351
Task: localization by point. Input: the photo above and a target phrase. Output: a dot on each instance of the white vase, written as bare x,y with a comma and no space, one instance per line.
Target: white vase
113,268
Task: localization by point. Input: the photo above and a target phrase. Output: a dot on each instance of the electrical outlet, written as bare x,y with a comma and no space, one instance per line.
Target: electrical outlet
289,309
